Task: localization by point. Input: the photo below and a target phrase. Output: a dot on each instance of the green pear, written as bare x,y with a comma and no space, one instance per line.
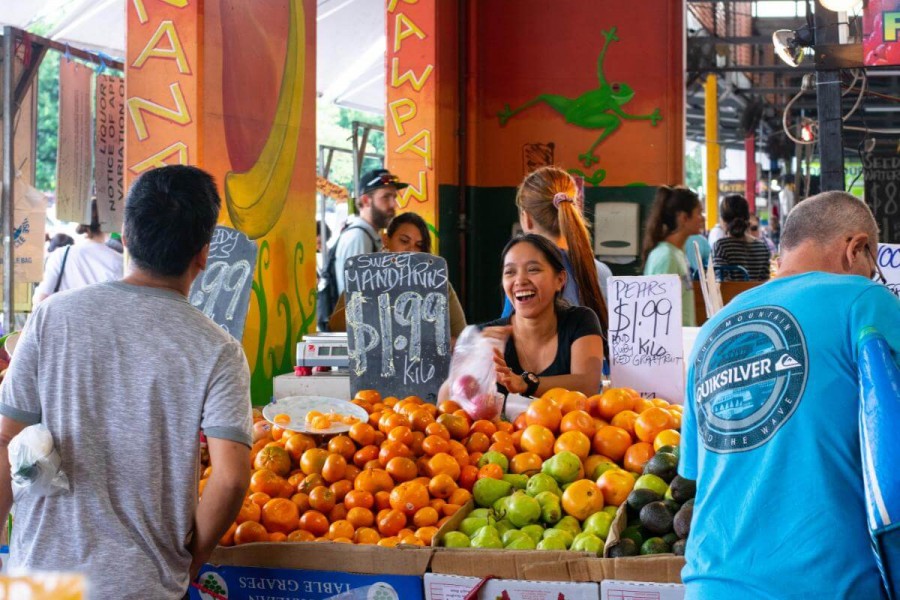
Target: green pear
541,482
487,537
584,542
500,507
480,513
518,481
495,458
472,524
503,525
487,491
535,531
551,508
566,537
524,543
612,510
598,524
602,468
456,539
511,535
552,543
570,524
563,467
522,510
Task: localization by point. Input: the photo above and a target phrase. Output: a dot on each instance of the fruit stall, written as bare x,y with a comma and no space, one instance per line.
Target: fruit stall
416,500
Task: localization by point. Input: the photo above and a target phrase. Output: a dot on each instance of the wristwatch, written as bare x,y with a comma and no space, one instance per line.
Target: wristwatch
532,382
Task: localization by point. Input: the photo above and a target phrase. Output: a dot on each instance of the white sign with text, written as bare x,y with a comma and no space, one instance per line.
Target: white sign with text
645,337
889,261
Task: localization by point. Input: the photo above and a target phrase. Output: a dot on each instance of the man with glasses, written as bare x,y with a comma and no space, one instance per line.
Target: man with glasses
377,205
771,419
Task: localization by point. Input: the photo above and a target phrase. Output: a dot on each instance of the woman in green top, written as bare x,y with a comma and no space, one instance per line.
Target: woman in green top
676,215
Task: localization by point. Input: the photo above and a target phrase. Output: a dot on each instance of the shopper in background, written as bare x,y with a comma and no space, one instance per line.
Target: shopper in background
88,261
676,215
407,232
60,240
757,231
546,201
739,248
125,375
775,445
547,342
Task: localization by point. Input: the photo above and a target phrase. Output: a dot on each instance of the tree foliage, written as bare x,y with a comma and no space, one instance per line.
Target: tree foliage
47,122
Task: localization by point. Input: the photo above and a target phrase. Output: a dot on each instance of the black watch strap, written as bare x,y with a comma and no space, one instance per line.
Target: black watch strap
532,382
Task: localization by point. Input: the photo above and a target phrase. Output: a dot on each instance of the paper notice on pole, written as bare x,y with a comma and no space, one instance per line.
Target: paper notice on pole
889,261
73,161
645,337
28,234
109,159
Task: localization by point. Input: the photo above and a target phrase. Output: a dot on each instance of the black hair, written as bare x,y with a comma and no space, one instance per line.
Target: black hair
735,211
94,226
548,249
170,215
411,218
327,230
60,240
663,218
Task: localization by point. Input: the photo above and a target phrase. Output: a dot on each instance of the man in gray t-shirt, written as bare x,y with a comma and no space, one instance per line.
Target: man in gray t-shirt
126,375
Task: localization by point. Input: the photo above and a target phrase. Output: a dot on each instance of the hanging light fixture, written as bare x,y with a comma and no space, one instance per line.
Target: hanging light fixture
840,5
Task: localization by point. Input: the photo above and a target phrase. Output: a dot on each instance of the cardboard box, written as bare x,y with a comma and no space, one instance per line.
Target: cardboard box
314,571
612,589
452,587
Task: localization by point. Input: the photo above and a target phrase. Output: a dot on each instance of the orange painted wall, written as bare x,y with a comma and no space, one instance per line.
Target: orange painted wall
250,93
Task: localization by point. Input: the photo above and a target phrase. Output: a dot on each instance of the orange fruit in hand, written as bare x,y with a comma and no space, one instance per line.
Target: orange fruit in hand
625,420
615,484
313,460
572,401
613,401
543,412
637,456
612,442
274,458
578,420
667,437
582,499
391,522
314,522
402,469
250,531
527,463
409,497
538,439
322,499
575,442
280,514
651,422
373,480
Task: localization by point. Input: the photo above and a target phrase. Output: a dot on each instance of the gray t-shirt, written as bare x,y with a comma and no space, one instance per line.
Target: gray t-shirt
125,378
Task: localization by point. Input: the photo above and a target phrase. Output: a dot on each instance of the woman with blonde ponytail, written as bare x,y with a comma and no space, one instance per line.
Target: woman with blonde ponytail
546,201
676,215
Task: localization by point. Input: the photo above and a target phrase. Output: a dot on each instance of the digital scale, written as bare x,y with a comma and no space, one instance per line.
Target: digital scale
322,368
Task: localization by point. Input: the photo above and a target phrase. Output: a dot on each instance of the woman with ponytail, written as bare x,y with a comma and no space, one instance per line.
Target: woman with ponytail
738,248
546,201
676,215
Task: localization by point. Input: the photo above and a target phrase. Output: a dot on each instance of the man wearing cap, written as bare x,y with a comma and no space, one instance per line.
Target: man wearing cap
377,206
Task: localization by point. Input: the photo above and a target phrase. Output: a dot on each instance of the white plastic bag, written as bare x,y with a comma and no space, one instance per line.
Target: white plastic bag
473,380
35,463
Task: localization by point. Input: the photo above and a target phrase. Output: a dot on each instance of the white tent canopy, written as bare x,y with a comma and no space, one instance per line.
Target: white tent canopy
350,40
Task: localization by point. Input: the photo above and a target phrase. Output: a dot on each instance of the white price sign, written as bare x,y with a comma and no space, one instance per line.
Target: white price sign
645,339
889,261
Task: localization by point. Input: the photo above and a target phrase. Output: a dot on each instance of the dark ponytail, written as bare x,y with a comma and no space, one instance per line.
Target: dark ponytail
735,211
663,217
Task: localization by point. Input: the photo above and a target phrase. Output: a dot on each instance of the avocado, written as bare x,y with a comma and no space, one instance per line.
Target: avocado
682,521
655,545
663,465
673,450
624,547
683,489
632,532
670,538
656,518
679,547
673,506
637,499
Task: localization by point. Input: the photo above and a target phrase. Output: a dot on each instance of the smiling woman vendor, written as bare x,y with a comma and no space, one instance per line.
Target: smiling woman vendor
548,343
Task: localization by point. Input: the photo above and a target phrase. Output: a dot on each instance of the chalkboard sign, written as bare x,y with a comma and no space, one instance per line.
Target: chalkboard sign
645,336
398,323
222,291
882,194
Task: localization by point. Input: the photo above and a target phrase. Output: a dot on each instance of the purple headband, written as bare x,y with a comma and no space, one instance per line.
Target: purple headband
560,198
